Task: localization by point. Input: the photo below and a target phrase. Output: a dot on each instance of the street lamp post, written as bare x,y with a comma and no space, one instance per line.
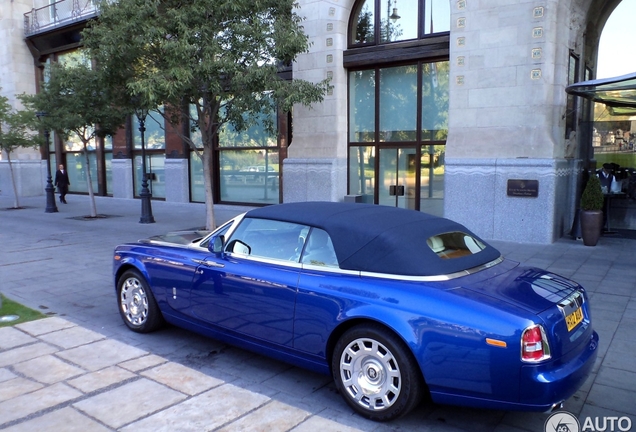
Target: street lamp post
50,190
145,195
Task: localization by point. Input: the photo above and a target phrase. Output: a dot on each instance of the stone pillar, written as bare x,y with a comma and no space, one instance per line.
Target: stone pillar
17,70
507,117
317,155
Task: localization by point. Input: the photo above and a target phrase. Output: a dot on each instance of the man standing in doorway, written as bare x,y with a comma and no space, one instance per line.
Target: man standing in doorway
62,182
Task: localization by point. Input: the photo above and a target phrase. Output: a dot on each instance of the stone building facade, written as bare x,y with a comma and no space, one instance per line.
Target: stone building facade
456,107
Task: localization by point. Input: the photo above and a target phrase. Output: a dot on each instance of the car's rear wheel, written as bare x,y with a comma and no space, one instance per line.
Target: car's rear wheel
376,373
137,305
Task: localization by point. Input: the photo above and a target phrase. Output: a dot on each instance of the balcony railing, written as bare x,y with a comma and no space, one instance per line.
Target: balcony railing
58,14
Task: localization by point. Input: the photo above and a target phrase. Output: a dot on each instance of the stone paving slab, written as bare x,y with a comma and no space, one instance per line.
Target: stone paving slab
101,354
144,362
47,369
38,400
65,419
40,327
125,404
20,354
11,338
182,378
204,412
16,387
71,337
101,379
274,416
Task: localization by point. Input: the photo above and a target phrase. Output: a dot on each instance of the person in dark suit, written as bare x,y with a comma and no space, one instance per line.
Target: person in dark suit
62,182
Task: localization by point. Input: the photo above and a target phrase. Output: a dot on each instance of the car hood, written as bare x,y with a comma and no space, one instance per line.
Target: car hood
529,288
185,237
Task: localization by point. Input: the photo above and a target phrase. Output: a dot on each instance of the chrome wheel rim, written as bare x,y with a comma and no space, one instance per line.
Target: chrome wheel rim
370,374
134,301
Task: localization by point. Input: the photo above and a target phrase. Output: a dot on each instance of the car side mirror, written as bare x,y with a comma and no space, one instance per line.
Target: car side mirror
239,247
217,244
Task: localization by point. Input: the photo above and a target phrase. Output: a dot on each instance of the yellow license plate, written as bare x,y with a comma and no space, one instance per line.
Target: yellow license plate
574,319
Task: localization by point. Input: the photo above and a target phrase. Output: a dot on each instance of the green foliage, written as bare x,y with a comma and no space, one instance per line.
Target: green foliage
592,198
220,57
77,101
17,128
208,53
9,307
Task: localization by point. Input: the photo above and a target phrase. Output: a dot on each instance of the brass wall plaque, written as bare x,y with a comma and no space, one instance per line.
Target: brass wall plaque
523,188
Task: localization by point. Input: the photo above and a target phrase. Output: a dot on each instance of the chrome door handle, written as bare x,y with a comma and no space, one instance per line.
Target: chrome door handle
209,263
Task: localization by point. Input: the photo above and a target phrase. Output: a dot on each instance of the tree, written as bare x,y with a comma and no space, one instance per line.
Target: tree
16,130
78,102
220,57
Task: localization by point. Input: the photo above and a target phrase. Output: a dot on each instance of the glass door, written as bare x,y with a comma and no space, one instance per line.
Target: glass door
397,177
432,179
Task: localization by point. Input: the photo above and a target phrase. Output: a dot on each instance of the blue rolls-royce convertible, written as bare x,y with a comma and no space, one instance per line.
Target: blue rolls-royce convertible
394,304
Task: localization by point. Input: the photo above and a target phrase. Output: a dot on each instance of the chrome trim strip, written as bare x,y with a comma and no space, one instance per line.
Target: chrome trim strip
435,278
285,263
312,267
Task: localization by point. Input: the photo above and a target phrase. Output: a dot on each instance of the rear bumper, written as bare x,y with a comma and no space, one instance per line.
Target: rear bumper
547,384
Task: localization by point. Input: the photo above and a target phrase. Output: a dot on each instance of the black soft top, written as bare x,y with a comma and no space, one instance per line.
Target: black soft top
381,239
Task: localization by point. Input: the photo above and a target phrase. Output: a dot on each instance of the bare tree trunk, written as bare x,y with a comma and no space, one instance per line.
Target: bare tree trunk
16,203
90,183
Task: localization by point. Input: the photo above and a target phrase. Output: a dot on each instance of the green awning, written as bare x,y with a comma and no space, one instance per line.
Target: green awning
618,93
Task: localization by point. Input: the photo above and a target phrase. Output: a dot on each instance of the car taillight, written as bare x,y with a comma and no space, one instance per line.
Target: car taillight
534,344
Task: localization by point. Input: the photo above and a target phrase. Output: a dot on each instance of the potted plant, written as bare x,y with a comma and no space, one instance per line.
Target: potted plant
592,211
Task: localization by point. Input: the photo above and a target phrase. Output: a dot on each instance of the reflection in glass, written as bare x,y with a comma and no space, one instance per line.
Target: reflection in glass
398,20
109,172
77,173
154,136
256,135
74,143
397,177
436,16
362,106
398,103
249,176
364,24
74,58
435,101
362,172
197,186
432,179
155,166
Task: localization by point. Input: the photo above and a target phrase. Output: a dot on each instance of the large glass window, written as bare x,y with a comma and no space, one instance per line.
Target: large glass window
573,77
249,176
362,172
197,185
154,135
362,101
386,21
155,170
398,103
249,163
435,101
78,171
403,125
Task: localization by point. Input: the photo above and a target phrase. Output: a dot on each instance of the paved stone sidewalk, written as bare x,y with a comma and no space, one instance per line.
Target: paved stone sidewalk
57,376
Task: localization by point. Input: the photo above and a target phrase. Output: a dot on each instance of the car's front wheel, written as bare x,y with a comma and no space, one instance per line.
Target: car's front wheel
137,305
376,373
